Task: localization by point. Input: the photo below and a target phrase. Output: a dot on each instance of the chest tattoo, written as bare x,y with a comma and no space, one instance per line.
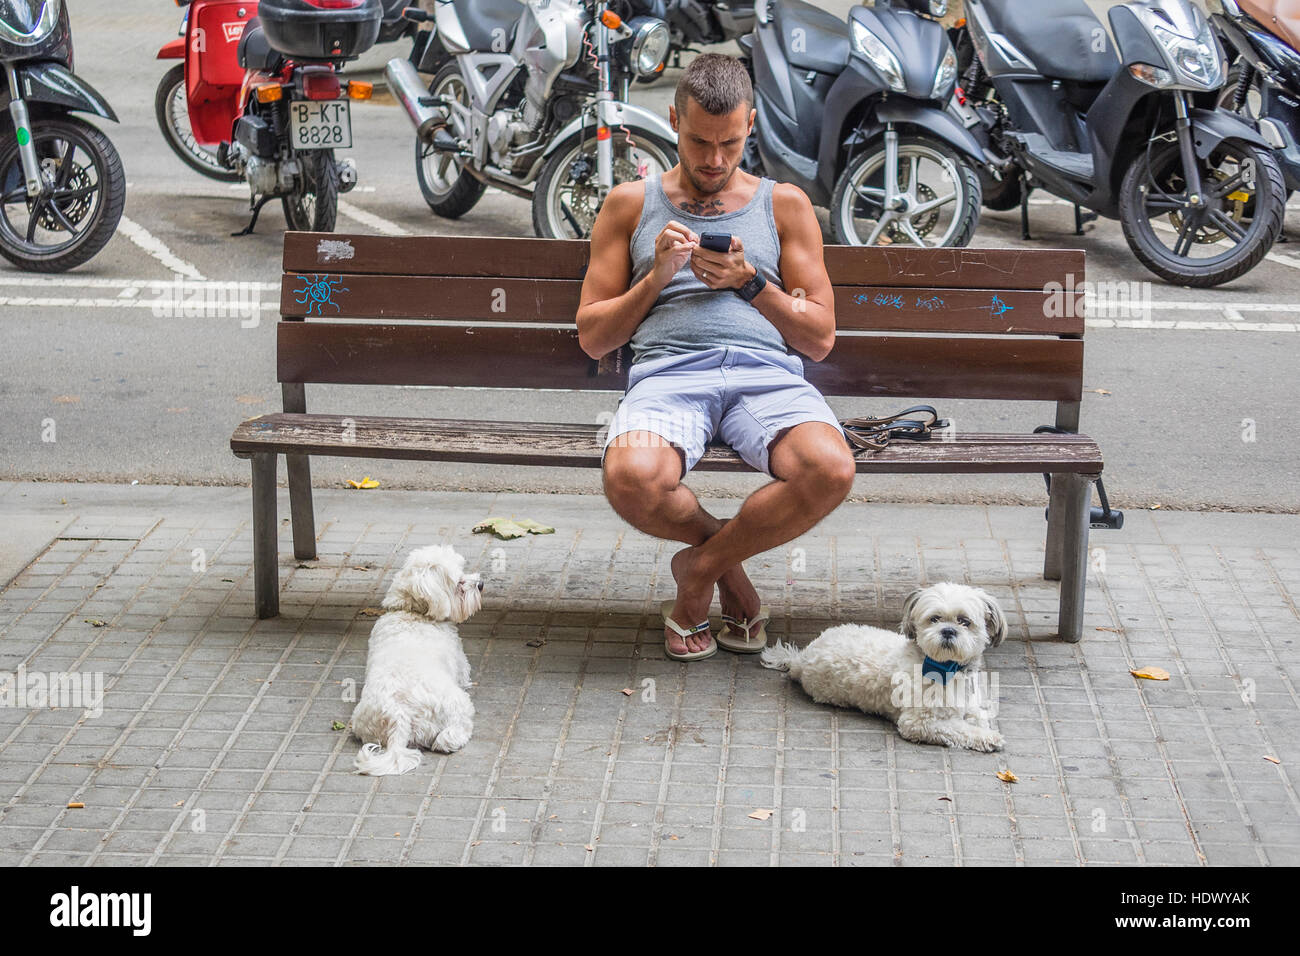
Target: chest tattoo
701,207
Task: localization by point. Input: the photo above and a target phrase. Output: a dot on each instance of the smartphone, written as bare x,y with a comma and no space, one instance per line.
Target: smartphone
715,241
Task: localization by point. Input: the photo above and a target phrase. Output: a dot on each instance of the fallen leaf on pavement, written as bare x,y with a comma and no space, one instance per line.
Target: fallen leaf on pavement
1113,630
1151,673
96,622
338,725
1271,759
67,399
761,815
366,482
628,692
370,612
1006,776
509,528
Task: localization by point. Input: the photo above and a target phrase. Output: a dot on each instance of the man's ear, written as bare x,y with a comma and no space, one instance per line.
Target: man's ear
672,117
753,115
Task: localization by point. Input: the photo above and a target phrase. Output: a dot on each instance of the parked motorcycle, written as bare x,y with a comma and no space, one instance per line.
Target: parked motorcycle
854,114
532,99
258,99
1264,84
1134,136
694,23
63,183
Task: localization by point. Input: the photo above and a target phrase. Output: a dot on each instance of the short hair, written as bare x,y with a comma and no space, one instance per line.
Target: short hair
719,83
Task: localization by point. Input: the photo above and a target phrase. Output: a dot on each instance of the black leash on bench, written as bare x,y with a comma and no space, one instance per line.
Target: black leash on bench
1103,518
873,434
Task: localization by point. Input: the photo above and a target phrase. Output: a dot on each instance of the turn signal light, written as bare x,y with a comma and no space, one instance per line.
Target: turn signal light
611,19
360,90
268,92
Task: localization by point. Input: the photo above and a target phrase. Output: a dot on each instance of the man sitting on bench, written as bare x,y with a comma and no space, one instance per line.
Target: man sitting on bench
714,337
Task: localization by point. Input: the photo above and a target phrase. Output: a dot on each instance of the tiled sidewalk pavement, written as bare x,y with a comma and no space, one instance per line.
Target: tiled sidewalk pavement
215,744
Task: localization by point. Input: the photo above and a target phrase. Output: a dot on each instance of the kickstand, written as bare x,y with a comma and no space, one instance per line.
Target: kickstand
1024,208
1080,218
252,223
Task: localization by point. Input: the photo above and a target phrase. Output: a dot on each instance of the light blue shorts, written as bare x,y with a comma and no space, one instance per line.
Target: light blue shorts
745,397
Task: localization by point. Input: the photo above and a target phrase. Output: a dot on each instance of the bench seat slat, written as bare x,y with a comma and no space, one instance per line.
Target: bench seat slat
578,445
1028,269
865,308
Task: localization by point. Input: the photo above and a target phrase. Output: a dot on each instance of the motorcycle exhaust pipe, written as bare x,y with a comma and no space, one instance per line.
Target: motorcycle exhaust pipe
411,92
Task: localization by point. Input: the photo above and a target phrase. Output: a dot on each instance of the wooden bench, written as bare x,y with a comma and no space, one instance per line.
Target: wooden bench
457,311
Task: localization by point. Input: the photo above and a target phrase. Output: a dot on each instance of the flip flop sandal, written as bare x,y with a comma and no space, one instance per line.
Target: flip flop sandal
751,644
666,609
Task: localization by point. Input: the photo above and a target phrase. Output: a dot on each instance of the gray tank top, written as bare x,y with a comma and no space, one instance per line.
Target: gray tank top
689,316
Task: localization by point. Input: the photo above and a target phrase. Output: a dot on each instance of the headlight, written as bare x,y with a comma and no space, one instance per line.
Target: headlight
45,22
650,44
943,80
1196,60
878,55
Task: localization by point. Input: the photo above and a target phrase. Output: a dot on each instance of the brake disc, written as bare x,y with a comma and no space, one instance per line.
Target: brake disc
74,210
1234,208
584,199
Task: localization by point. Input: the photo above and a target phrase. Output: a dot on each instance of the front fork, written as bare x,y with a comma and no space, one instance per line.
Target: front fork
1191,168
23,131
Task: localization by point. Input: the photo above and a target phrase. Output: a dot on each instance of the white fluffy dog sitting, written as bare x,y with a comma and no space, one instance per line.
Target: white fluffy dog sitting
417,674
925,678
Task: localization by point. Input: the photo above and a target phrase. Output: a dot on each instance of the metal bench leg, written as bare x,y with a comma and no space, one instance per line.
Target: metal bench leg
1056,515
1074,554
300,507
266,558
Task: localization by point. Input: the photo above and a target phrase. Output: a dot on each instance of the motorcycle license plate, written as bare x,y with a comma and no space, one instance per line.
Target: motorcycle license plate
316,124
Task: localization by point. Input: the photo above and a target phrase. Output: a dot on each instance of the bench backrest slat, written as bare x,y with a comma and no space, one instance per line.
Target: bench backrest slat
347,353
857,308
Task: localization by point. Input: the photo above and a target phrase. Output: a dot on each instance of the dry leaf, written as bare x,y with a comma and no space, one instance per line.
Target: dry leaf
179,803
1006,776
76,806
1151,673
761,815
67,399
673,836
628,692
1271,759
370,612
509,528
589,848
1156,506
366,482
1099,391
1113,630
476,843
96,622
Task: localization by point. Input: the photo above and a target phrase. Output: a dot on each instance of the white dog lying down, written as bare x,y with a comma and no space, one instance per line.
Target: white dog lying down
417,674
925,678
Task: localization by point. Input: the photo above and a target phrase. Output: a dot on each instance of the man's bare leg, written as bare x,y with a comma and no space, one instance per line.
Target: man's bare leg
814,470
643,484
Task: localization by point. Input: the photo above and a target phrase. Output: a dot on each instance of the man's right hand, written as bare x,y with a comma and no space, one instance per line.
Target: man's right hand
673,248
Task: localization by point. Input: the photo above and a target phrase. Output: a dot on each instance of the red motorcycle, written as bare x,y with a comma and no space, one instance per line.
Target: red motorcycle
257,97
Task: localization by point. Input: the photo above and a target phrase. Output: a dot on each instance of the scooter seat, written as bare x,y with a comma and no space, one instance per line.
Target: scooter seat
821,42
1063,38
489,25
254,51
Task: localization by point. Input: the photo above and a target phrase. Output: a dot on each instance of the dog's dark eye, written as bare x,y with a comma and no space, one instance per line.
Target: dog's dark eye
963,622
935,619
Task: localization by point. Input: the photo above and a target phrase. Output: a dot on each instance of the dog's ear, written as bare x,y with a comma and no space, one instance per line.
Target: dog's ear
907,626
421,589
995,621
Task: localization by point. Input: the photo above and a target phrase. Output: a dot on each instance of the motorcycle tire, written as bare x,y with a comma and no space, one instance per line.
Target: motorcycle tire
1268,207
449,196
197,157
314,203
549,218
109,190
966,197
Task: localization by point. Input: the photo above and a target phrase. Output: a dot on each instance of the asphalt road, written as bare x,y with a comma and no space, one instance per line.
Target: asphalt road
133,395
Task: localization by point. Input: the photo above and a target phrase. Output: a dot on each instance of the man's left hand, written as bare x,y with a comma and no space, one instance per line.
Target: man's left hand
722,271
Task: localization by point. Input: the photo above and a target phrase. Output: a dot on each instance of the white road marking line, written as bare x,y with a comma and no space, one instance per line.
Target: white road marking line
378,223
73,302
75,282
156,248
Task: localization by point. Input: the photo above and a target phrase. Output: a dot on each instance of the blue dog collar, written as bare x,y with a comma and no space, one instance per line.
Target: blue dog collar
940,670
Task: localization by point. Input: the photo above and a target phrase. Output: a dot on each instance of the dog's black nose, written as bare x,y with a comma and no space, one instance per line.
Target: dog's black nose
949,633
480,585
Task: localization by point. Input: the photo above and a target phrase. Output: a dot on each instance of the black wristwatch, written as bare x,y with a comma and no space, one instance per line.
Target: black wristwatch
753,287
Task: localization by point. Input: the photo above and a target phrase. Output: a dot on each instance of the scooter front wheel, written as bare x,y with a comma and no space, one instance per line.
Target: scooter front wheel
936,200
171,109
1206,239
79,207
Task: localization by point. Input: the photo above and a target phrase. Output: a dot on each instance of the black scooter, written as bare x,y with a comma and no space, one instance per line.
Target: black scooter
854,114
1134,136
62,180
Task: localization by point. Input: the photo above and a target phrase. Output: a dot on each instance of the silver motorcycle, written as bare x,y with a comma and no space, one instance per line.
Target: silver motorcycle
532,99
